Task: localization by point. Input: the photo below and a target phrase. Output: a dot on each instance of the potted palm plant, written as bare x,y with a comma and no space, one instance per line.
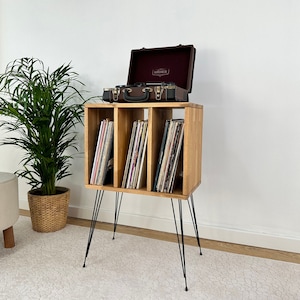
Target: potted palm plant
43,109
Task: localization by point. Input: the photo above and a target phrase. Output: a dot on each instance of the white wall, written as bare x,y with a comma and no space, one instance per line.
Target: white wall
247,76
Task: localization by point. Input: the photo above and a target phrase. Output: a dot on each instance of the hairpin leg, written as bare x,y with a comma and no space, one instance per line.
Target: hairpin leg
118,202
180,242
194,220
97,204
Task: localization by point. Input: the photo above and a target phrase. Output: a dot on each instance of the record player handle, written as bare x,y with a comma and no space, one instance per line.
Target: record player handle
142,98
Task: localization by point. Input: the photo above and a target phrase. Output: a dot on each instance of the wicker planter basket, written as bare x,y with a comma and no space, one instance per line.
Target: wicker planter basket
49,213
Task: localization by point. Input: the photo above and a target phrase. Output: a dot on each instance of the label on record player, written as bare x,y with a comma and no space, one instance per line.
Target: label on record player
160,72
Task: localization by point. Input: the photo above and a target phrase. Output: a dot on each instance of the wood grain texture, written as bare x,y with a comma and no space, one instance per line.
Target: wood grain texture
124,114
8,236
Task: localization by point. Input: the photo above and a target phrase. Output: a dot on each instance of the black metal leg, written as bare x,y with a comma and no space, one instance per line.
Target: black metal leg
180,243
194,220
97,204
118,202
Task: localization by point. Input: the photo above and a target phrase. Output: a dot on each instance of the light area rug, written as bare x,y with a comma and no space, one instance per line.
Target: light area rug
49,266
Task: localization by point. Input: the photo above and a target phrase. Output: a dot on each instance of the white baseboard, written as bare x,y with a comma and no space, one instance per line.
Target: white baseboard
228,235
205,231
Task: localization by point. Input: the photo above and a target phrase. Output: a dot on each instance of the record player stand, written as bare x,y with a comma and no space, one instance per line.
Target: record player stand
123,115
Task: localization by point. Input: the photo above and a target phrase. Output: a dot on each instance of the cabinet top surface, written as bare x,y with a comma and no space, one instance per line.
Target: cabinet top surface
143,105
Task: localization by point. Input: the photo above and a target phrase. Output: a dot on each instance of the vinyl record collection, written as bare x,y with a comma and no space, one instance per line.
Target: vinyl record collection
134,176
169,156
103,158
135,168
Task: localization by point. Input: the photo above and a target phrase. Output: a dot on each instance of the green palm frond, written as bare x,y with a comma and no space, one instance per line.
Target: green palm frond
43,107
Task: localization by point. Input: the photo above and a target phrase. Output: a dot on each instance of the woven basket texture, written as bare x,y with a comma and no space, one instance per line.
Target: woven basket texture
49,213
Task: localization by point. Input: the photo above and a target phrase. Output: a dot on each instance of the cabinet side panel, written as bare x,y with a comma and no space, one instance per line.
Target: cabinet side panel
157,118
192,154
88,146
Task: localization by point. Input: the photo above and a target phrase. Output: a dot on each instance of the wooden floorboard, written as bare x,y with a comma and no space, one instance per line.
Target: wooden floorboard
205,243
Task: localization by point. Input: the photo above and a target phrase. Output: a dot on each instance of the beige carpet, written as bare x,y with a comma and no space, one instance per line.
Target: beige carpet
49,266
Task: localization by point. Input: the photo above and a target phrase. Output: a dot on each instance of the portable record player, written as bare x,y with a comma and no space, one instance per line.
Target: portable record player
156,74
